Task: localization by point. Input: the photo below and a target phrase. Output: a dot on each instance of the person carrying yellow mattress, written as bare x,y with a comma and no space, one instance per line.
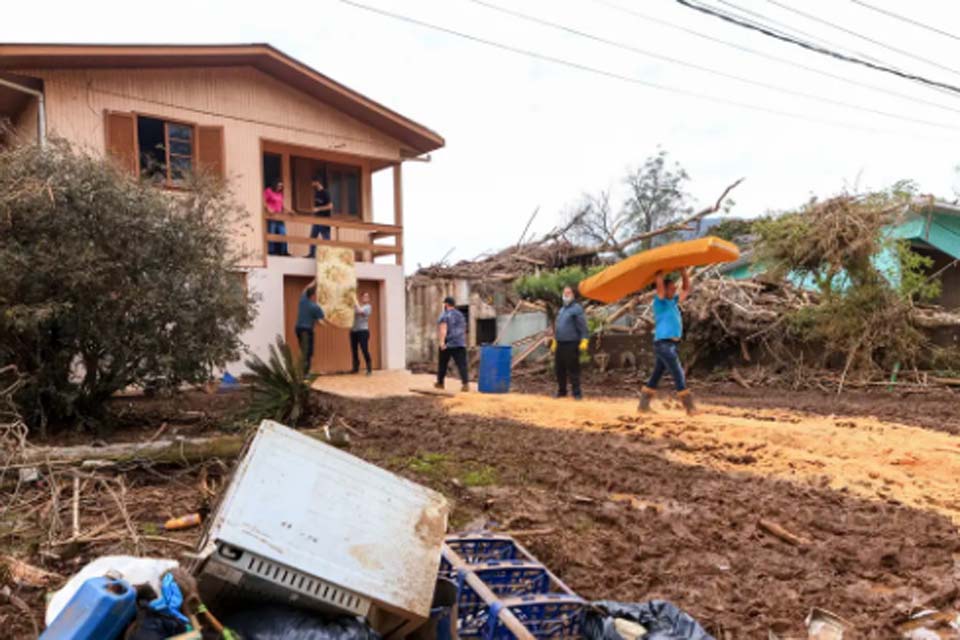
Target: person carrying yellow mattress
667,332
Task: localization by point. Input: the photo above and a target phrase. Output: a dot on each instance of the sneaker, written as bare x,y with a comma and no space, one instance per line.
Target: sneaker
438,385
559,394
465,387
578,396
369,373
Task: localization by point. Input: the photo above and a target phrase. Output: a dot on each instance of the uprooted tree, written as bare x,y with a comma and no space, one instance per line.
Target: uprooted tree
864,284
106,282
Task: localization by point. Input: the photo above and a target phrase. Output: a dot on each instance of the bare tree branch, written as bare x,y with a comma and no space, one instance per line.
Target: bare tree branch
677,226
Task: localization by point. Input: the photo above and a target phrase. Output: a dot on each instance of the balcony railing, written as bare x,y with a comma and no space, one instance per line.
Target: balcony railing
349,233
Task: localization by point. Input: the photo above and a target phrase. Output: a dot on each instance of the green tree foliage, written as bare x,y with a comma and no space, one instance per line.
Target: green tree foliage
106,282
732,229
656,197
657,194
863,313
280,388
547,286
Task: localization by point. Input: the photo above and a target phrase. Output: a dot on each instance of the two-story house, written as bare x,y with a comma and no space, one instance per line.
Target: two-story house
254,115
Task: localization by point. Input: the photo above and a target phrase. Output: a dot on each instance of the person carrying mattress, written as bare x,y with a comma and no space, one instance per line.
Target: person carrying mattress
668,330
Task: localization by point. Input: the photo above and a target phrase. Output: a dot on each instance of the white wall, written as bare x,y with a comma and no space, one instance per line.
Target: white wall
267,284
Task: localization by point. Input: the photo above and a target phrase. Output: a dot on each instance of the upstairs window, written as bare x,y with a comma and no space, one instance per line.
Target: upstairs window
165,150
344,185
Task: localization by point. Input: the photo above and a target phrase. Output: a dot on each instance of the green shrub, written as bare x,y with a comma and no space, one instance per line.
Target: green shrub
280,388
107,282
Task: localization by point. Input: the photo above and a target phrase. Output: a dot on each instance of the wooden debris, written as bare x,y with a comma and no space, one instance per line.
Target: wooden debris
28,575
433,392
778,531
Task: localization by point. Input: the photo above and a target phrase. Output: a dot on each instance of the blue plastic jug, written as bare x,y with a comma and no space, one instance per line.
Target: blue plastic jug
101,609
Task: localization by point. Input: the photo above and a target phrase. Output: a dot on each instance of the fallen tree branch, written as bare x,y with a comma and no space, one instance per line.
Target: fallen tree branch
646,235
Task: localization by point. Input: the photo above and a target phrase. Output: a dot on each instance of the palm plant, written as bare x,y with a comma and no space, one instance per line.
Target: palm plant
280,387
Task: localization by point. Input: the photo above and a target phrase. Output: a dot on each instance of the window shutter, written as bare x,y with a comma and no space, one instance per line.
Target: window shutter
210,150
121,139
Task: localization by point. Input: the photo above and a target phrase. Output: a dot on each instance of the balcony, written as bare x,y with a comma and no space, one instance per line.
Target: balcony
348,181
362,237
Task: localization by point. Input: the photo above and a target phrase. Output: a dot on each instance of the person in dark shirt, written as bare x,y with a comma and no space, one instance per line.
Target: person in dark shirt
309,313
452,335
322,208
570,338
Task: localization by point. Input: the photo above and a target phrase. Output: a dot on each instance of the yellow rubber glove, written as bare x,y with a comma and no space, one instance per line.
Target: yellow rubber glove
553,346
584,344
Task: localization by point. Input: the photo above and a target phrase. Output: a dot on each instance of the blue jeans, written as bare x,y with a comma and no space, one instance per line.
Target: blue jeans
276,227
667,361
321,230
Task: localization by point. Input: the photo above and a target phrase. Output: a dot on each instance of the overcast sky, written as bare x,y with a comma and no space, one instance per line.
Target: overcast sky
524,133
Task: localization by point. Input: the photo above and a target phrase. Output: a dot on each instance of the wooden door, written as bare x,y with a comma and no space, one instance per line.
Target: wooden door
331,345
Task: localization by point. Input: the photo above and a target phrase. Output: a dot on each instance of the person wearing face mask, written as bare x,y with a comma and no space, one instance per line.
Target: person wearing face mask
570,337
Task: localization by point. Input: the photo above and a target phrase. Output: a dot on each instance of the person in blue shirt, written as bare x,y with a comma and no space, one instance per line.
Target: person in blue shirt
570,337
452,336
309,314
667,332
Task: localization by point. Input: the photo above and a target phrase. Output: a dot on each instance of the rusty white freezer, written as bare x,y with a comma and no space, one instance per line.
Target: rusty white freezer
319,510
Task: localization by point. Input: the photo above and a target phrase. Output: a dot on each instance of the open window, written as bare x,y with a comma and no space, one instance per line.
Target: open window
164,151
341,181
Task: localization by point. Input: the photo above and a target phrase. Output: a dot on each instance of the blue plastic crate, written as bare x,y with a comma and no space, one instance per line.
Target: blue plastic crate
505,578
552,616
475,548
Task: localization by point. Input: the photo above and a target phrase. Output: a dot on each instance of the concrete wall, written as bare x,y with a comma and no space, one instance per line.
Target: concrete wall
268,285
522,326
250,105
424,306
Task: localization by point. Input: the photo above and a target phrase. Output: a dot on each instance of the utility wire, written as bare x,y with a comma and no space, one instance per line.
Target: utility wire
606,73
856,34
691,65
763,54
816,48
790,30
902,18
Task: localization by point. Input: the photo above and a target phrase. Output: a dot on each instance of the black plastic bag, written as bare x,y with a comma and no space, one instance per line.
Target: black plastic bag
662,620
277,622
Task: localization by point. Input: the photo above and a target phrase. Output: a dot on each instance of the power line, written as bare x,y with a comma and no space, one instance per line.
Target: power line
691,65
863,37
790,30
816,48
902,18
763,54
606,73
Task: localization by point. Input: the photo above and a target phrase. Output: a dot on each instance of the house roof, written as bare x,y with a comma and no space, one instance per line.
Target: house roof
260,56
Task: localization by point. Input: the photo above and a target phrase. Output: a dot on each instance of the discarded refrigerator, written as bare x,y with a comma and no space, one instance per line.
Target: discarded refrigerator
307,524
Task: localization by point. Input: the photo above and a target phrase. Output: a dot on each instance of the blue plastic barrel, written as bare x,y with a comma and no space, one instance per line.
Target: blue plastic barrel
100,610
494,369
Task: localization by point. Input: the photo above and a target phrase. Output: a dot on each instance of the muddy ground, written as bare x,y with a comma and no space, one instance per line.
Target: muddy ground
610,511
933,408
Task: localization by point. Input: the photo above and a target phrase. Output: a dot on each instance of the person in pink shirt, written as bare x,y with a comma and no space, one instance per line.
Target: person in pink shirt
273,201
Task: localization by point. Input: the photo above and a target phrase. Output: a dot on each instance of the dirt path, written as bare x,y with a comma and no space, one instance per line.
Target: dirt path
873,459
619,516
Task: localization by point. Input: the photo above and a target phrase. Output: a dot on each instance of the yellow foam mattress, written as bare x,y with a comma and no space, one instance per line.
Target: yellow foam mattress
638,271
336,285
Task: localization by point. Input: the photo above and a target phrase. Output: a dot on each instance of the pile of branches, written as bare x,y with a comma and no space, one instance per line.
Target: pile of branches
510,263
